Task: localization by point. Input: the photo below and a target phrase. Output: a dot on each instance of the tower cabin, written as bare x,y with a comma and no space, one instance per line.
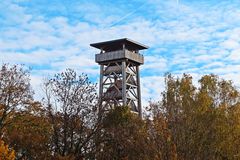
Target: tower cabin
119,62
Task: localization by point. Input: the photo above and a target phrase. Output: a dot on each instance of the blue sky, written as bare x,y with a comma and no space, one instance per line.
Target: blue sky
185,36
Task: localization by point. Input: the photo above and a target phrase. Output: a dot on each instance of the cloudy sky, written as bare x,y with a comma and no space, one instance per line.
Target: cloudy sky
185,36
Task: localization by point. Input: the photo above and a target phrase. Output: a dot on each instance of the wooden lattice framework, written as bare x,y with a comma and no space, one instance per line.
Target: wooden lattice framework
119,74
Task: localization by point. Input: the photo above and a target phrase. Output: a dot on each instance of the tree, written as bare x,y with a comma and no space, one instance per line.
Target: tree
218,105
71,105
126,136
203,121
162,144
15,92
29,133
5,152
123,136
188,123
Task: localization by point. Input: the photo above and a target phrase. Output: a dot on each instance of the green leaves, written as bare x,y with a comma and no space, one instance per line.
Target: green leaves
118,117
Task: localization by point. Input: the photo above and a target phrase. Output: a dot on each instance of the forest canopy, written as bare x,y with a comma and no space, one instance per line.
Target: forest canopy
189,122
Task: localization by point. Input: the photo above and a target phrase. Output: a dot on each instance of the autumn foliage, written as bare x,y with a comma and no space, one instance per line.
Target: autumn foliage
191,121
5,152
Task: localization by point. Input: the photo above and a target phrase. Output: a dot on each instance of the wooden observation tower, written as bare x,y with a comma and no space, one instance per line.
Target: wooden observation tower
119,62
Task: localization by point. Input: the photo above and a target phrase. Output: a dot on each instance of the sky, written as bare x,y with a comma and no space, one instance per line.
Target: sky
197,37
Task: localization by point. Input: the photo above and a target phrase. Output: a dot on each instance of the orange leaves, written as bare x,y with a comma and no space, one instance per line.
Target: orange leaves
5,152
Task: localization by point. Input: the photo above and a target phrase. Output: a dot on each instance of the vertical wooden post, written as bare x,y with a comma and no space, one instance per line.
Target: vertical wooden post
101,86
139,92
124,96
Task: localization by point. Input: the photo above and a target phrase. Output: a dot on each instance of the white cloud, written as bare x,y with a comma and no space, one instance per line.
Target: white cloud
230,44
154,63
207,57
152,87
13,13
235,55
37,86
191,37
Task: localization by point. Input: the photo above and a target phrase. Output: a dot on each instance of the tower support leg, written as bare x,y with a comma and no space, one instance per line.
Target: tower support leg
139,92
101,87
124,96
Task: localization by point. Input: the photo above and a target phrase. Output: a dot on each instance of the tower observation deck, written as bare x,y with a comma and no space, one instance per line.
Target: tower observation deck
119,62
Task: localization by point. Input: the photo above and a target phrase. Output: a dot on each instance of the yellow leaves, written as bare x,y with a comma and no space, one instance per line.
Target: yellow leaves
204,121
5,152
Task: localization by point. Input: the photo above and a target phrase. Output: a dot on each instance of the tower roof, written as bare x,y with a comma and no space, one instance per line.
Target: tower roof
114,45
